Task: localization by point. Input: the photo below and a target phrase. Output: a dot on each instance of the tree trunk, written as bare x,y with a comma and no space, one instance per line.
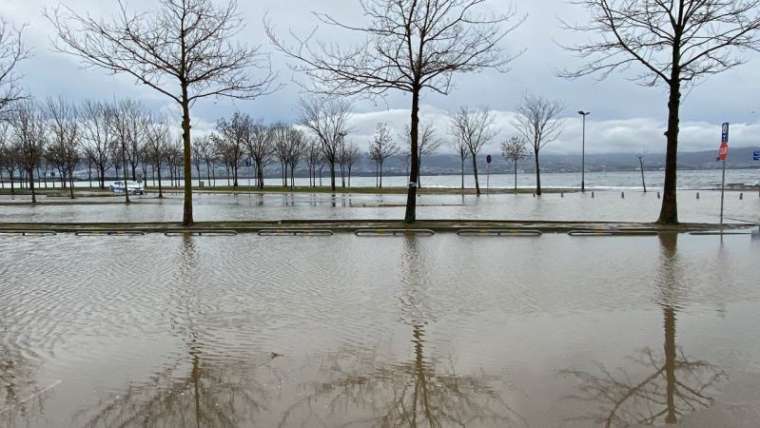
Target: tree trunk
187,215
514,162
461,169
411,197
475,172
260,174
332,176
71,183
160,188
125,171
669,210
538,174
30,171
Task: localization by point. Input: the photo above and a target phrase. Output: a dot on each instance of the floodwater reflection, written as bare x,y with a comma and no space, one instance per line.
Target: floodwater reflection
241,331
363,390
197,390
21,399
665,386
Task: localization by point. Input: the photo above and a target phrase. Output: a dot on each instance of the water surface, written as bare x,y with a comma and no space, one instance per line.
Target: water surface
276,331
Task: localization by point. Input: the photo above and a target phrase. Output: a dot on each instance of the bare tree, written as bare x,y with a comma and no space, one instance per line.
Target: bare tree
349,154
281,146
259,145
97,136
66,138
327,119
474,128
137,119
29,131
234,133
673,42
203,153
12,52
183,50
514,149
156,146
123,112
411,46
8,154
313,159
296,150
381,149
538,122
461,149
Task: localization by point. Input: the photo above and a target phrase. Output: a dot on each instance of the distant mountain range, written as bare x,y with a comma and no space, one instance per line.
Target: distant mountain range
440,164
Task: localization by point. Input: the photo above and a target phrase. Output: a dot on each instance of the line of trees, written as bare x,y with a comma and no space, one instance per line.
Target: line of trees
39,141
184,50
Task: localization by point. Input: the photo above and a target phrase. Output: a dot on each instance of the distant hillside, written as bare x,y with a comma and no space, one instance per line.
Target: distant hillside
450,164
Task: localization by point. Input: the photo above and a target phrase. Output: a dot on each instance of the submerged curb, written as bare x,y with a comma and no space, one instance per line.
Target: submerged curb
368,227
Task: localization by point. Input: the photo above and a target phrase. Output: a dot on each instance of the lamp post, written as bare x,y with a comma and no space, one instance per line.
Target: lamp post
583,150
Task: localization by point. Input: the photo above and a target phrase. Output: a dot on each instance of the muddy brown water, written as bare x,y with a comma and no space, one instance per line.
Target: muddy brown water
245,331
623,205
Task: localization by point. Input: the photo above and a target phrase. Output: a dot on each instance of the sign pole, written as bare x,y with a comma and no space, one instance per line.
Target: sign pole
722,156
488,173
722,194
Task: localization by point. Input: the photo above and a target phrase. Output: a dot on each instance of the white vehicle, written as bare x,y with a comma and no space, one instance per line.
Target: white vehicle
134,187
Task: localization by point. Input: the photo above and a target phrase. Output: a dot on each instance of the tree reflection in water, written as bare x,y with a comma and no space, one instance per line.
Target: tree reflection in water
21,399
673,385
199,390
362,390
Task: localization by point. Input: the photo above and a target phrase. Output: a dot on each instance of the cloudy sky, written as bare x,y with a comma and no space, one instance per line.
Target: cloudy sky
625,117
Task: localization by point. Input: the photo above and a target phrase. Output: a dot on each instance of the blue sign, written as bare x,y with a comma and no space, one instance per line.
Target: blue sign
724,134
756,155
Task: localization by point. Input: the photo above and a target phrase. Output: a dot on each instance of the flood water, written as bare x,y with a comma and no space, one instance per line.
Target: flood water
694,206
554,331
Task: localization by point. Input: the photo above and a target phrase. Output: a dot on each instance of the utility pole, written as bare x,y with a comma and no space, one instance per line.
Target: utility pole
583,150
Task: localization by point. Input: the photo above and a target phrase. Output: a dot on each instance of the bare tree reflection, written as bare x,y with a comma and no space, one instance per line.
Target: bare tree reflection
200,389
362,390
21,398
673,384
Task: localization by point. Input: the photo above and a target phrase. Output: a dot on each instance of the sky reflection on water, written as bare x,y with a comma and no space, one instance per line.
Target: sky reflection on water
330,331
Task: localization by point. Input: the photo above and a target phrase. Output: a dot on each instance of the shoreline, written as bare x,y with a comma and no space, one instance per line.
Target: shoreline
61,194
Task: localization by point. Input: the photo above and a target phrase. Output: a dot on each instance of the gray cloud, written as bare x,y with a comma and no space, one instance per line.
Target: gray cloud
626,117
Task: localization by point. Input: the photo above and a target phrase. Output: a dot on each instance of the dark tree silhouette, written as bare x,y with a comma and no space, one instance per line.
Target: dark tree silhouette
182,50
675,42
538,122
411,46
12,52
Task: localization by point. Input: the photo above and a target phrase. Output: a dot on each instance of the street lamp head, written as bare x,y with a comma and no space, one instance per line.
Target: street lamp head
584,113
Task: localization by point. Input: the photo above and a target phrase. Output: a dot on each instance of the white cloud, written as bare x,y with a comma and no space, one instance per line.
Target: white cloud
602,136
